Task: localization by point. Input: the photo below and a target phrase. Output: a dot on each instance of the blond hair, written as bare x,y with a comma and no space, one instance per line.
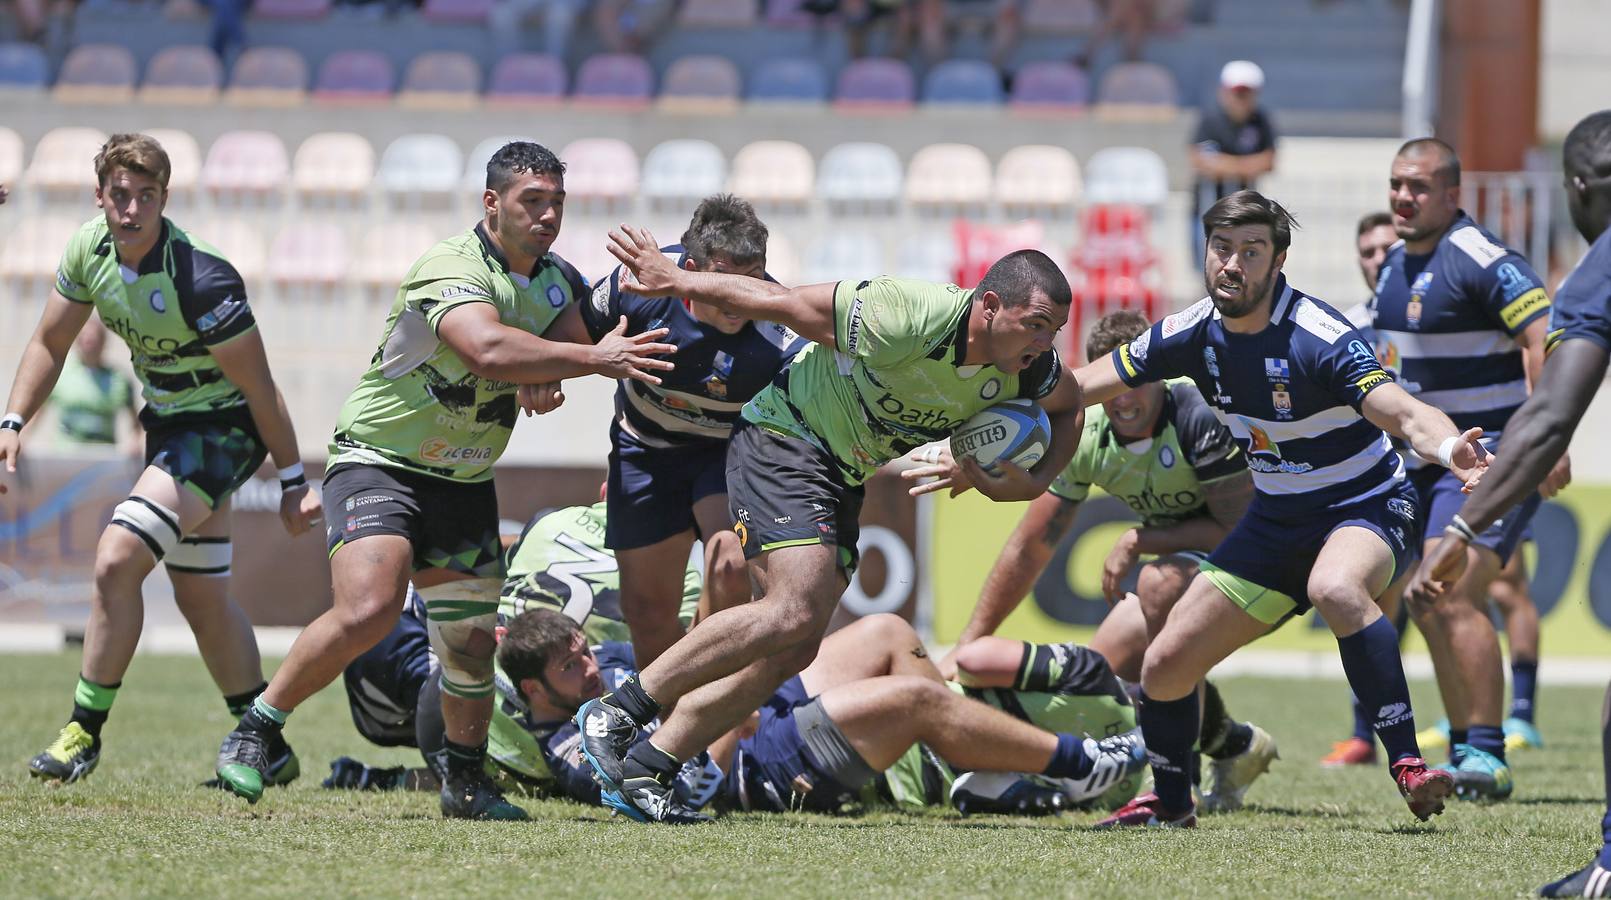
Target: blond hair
135,152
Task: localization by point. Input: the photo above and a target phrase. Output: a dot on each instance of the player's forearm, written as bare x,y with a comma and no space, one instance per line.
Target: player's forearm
1009,581
1425,428
1201,533
273,423
739,295
1066,428
520,357
36,377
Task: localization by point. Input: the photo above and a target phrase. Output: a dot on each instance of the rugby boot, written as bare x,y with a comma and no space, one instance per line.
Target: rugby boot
645,798
1352,752
348,774
1593,880
472,795
243,762
607,732
1481,775
1112,759
1231,777
1435,737
1422,788
73,754
1005,793
1146,812
1521,734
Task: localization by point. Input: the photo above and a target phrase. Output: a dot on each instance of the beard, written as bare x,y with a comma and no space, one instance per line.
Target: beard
1252,294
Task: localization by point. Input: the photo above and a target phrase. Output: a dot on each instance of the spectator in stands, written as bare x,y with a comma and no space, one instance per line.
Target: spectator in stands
937,19
507,20
228,34
90,397
1132,20
861,17
1234,143
46,22
630,26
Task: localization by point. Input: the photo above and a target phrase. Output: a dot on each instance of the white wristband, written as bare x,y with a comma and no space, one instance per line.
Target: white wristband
1446,451
13,421
291,478
291,471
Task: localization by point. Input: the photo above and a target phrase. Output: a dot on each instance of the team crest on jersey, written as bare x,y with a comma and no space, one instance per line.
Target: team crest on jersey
721,370
990,390
157,303
556,296
1166,458
1412,310
1210,361
1277,369
1282,401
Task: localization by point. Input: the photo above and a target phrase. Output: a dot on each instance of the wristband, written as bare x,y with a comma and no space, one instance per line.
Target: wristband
1458,528
291,477
1446,451
13,421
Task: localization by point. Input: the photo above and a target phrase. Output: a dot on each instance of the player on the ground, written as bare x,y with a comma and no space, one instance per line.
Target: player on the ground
668,457
895,364
1465,318
1538,434
1160,450
212,413
409,482
1332,518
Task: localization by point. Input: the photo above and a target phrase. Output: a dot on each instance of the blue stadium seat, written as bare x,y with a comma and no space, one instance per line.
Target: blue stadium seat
23,67
614,79
789,81
962,81
876,83
527,78
1050,87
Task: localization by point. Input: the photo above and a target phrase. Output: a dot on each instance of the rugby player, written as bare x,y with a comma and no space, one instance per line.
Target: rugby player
1160,450
1538,434
212,413
1332,518
410,469
895,364
668,456
1465,318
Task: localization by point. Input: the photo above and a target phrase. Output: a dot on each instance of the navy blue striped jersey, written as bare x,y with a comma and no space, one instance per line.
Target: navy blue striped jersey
1583,306
1290,395
715,374
1449,320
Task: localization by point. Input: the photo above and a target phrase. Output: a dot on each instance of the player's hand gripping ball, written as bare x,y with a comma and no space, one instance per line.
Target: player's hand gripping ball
1015,430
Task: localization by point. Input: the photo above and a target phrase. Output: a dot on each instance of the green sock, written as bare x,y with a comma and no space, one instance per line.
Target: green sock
261,707
91,704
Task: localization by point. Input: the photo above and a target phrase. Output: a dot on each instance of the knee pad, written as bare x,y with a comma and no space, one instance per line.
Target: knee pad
461,617
154,524
197,555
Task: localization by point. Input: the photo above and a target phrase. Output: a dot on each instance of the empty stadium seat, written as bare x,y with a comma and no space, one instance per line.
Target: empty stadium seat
34,249
309,253
717,14
684,169
96,73
582,244
471,11
782,260
291,9
962,81
1038,176
389,250
948,175
11,156
776,172
875,84
64,160
841,255
333,164
1138,86
184,159
475,162
789,81
443,79
241,243
617,80
700,83
421,164
355,76
243,164
1050,87
600,169
927,254
23,67
186,73
1126,175
861,173
268,76
1061,16
788,14
527,78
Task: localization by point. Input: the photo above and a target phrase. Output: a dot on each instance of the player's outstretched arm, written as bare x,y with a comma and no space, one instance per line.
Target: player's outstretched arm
494,350
1428,431
40,366
1534,340
1099,380
807,309
244,362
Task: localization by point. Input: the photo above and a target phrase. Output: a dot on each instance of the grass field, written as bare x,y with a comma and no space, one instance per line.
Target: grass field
141,826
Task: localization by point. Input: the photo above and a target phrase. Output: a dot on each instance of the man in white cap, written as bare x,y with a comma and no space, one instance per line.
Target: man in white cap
1234,143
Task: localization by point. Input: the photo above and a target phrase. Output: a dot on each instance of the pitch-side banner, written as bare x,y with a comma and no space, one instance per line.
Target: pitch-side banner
1570,565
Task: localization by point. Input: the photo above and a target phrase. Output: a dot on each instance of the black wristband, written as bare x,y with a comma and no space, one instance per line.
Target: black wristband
291,484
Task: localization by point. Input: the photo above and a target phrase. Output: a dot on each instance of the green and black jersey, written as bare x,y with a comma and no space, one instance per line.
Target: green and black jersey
183,298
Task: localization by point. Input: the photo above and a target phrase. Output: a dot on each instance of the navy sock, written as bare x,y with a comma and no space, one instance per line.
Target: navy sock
1170,729
1458,738
464,758
1605,852
1605,759
1523,688
1487,738
635,701
1362,724
1069,759
1376,673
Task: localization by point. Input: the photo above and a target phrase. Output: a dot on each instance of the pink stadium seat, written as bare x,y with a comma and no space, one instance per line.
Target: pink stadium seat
389,250
527,78
268,76
1138,84
309,253
777,172
96,73
443,79
184,158
245,163
472,11
703,83
333,164
602,169
355,76
619,80
875,84
1038,176
1050,87
187,73
291,9
948,175
242,243
717,14
64,160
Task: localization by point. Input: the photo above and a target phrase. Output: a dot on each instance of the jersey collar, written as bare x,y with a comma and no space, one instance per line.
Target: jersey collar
492,250
1284,297
154,261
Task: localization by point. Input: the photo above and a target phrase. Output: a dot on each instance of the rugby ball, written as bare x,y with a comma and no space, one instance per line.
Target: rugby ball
1015,430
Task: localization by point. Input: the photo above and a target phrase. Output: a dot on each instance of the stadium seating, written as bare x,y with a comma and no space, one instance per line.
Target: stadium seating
1034,177
184,161
966,81
456,11
682,170
336,165
268,76
840,255
782,261
1050,87
310,264
1131,175
582,244
927,254
1061,16
245,165
23,68
185,73
11,156
309,253
28,259
241,243
355,76
1137,90
779,173
861,175
475,162
948,177
717,14
96,73
443,79
291,9
602,171
388,251
524,79
701,83
788,14
421,164
64,161
614,80
874,85
789,81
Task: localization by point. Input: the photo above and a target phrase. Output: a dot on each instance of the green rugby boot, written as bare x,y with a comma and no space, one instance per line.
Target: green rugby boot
243,764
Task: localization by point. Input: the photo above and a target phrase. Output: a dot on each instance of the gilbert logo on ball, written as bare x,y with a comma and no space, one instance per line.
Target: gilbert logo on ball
1016,430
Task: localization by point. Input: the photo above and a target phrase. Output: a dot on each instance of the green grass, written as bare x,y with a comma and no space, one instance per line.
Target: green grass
141,826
